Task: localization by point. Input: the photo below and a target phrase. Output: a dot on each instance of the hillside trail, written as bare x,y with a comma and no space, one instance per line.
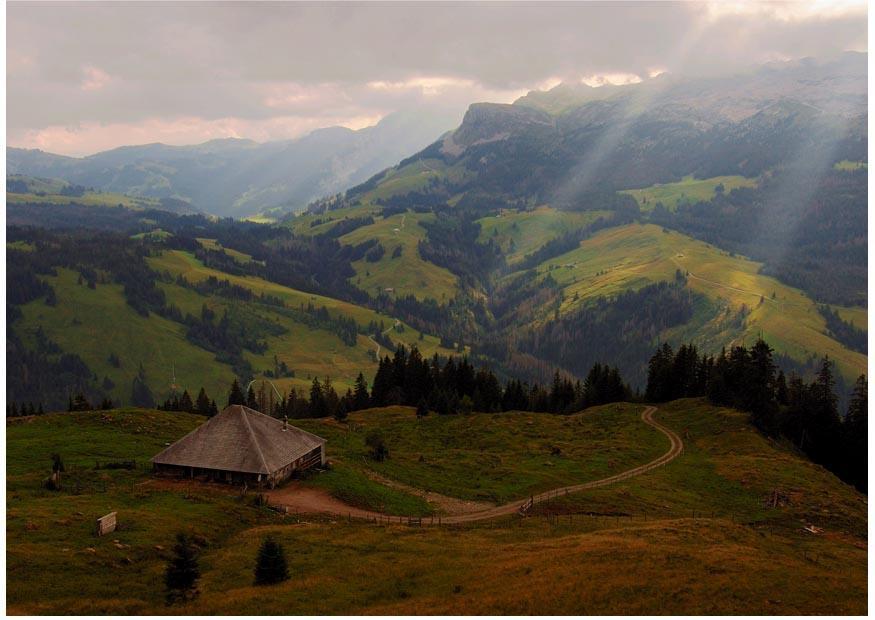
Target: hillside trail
386,331
298,498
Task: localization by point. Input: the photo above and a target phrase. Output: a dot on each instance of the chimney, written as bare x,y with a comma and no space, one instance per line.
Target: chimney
285,422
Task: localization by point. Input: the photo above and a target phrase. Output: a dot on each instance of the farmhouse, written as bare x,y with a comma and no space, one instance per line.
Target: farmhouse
241,445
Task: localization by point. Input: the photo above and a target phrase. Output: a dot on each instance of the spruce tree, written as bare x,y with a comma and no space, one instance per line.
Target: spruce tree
202,405
251,401
235,396
182,570
856,435
270,565
317,400
185,403
361,399
141,395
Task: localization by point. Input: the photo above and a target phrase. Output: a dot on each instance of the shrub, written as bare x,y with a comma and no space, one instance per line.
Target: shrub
182,571
379,451
270,566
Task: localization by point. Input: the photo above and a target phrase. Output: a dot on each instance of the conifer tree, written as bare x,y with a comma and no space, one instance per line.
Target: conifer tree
202,405
856,435
141,395
270,565
235,396
361,399
317,400
251,400
182,570
185,403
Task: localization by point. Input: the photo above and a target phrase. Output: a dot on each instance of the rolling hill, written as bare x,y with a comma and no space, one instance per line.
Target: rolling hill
242,177
118,344
630,257
715,531
539,237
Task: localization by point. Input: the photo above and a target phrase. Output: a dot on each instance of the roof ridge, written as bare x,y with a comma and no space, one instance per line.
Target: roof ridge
291,427
254,439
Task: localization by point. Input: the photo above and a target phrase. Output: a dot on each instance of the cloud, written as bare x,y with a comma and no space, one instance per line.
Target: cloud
90,137
94,79
124,65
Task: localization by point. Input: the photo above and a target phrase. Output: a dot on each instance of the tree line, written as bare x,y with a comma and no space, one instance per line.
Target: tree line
446,386
805,413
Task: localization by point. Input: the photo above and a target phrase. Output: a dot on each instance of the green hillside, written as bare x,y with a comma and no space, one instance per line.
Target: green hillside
703,532
522,232
630,257
688,190
397,275
504,456
407,274
51,191
96,323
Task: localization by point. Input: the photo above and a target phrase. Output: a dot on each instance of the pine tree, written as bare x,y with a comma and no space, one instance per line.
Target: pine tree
856,427
329,394
382,383
141,395
759,390
345,406
235,396
213,408
317,400
361,399
251,401
270,565
185,403
202,405
182,570
80,403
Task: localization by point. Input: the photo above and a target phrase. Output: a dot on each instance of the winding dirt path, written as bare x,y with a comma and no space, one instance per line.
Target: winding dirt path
677,446
307,499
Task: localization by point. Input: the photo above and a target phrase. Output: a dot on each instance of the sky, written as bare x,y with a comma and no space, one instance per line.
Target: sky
86,77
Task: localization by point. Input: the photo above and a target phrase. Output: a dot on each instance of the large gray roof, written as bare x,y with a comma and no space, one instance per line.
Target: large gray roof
240,439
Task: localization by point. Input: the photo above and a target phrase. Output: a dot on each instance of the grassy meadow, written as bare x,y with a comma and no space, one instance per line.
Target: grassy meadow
310,352
687,190
633,256
698,535
495,457
84,319
521,232
48,191
407,274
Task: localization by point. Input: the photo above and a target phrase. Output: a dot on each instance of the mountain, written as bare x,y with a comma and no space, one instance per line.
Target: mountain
786,137
557,146
233,177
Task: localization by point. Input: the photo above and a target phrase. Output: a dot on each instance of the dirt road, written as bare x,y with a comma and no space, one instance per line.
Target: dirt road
677,446
309,500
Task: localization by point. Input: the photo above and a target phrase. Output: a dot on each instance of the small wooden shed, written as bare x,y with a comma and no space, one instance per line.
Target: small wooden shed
241,445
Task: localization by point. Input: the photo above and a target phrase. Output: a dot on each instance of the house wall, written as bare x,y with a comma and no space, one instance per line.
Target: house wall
311,459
